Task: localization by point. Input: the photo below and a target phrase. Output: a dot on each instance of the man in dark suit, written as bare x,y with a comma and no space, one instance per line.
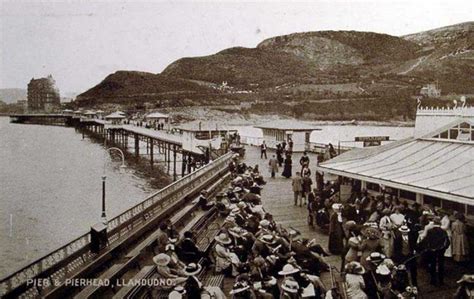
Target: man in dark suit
359,214
404,251
263,150
188,251
435,244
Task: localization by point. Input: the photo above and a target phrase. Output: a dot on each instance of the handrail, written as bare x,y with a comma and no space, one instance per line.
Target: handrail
48,261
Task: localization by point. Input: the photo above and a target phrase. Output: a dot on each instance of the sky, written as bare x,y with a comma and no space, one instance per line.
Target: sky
81,42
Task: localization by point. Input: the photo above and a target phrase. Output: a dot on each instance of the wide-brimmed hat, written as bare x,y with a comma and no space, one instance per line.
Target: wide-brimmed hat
237,189
354,268
161,259
389,263
350,225
382,270
288,269
371,232
376,257
223,239
239,287
192,269
237,231
268,239
264,223
290,285
371,224
241,204
466,278
336,207
177,293
404,229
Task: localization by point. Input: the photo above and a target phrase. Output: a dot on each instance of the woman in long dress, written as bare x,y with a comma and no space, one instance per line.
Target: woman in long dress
336,232
287,167
460,244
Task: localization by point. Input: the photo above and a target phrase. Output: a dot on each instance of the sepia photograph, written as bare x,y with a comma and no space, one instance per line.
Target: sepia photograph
237,149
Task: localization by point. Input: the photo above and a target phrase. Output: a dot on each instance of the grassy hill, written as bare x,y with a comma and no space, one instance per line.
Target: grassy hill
367,68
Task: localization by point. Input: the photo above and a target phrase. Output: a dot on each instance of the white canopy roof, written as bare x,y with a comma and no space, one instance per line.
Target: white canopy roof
439,168
114,115
157,115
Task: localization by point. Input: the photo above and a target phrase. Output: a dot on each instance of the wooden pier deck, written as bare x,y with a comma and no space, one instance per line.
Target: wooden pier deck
277,197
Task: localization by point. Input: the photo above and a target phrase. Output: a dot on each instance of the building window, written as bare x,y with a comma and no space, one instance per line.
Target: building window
470,210
373,187
408,195
453,206
431,200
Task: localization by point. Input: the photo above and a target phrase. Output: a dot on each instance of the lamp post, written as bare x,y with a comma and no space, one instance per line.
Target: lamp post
122,170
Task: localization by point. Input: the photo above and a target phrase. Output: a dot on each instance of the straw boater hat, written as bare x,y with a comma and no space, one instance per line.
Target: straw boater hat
223,239
237,189
268,239
376,258
288,269
371,232
239,287
354,268
161,259
241,204
192,269
404,229
290,285
382,270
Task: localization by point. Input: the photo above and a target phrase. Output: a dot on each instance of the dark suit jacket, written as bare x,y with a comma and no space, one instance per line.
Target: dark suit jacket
436,240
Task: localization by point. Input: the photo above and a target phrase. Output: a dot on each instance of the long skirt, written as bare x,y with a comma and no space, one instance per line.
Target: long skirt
286,171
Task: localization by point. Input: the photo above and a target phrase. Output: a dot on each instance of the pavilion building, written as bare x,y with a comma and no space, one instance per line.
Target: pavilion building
435,166
275,132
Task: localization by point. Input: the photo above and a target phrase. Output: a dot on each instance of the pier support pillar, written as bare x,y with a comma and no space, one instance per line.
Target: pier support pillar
137,146
183,163
168,154
151,152
174,162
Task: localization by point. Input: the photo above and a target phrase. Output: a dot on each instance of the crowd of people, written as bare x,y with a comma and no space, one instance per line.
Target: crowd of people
264,259
383,240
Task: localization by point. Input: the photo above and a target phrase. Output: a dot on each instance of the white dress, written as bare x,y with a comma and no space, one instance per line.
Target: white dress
355,285
446,226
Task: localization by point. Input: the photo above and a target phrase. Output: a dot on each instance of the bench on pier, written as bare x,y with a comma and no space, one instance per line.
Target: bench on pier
205,241
132,257
149,243
129,291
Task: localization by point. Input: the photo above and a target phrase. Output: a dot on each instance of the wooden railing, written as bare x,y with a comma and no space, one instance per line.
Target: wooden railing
56,266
